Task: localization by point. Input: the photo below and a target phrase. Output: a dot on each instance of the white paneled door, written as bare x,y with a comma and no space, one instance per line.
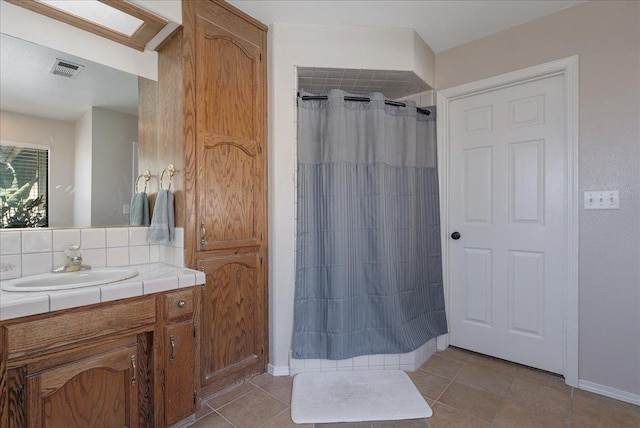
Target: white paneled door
508,190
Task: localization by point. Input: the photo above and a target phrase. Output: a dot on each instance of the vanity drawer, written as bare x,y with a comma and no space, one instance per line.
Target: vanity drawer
179,304
55,331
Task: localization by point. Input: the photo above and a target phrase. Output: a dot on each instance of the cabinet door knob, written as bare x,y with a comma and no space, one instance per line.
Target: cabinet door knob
203,234
182,304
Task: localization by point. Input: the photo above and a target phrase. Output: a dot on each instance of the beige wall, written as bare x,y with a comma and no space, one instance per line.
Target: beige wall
112,137
82,167
58,136
606,36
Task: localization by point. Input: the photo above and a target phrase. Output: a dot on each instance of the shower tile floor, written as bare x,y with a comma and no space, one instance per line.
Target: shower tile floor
464,390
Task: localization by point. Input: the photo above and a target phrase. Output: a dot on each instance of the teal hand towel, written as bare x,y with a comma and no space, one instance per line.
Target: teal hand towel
162,229
139,210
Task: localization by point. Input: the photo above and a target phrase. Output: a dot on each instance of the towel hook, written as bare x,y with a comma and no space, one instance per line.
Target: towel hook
171,170
146,175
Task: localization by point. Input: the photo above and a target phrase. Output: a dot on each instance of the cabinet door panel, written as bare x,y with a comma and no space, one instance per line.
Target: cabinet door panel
180,376
233,317
97,391
229,136
231,83
228,206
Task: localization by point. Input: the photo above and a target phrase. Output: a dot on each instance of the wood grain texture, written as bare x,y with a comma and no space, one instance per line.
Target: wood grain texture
146,405
138,40
232,18
161,114
180,376
16,413
232,337
158,356
95,391
228,210
225,65
76,326
189,55
233,80
36,363
148,115
225,157
197,328
171,118
33,402
174,310
61,362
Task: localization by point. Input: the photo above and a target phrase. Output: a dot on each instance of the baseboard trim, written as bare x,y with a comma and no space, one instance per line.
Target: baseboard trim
278,370
607,391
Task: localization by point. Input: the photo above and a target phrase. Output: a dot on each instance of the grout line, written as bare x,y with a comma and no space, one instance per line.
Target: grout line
270,394
272,418
463,412
444,389
225,404
571,407
227,420
464,364
502,403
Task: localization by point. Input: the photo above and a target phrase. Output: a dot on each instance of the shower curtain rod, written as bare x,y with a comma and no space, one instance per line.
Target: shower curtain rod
364,99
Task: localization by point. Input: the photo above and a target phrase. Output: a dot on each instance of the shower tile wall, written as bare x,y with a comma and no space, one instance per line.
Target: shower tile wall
410,361
394,85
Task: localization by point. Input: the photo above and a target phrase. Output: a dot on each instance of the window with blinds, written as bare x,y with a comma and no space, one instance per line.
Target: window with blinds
24,176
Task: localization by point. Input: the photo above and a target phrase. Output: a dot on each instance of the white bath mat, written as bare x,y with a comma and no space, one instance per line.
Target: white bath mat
368,395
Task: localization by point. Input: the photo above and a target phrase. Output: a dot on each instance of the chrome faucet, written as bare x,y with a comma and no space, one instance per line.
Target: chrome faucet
74,260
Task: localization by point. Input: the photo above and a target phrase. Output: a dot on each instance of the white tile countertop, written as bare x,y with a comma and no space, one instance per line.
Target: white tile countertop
151,278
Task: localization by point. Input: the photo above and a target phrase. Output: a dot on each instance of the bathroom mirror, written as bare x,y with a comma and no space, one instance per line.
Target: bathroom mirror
85,115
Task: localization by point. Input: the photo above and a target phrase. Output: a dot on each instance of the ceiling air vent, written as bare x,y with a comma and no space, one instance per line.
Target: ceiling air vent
66,68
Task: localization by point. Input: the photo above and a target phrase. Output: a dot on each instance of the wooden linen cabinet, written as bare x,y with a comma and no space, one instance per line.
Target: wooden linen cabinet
210,108
225,187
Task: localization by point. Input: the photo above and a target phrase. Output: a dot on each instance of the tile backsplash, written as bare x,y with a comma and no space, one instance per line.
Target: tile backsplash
30,252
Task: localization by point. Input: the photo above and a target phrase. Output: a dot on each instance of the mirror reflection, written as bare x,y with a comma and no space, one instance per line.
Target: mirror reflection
68,139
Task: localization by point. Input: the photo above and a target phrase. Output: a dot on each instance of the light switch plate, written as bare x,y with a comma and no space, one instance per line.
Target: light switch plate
602,200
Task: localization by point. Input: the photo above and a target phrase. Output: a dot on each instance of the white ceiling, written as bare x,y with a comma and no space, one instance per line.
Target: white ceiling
441,24
27,86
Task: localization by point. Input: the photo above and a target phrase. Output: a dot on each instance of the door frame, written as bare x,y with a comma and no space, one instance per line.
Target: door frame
567,67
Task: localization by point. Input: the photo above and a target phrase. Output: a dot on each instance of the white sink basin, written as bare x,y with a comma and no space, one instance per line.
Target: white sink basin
66,280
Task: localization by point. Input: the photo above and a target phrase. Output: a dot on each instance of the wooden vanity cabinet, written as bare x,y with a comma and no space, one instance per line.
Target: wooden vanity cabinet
102,387
179,344
101,365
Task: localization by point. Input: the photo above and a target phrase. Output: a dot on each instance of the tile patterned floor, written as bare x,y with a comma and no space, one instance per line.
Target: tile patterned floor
464,389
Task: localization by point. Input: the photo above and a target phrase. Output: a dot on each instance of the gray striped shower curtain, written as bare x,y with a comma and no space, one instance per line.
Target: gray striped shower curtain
368,255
